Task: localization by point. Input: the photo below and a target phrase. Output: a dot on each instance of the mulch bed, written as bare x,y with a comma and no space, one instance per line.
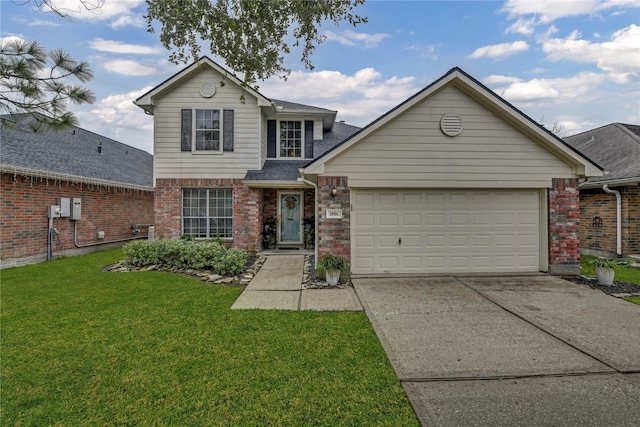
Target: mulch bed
617,288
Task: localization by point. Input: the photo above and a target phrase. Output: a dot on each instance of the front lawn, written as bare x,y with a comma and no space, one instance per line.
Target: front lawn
83,347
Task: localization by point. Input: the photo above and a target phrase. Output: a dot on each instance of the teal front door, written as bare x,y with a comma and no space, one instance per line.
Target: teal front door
290,217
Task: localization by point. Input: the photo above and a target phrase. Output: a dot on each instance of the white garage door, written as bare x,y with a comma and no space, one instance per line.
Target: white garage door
445,231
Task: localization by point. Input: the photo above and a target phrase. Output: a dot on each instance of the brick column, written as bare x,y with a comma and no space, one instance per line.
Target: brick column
334,235
564,227
247,217
168,209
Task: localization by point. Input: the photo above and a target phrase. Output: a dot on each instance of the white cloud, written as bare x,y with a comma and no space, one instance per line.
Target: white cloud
522,26
359,98
101,10
541,12
113,46
571,127
129,68
619,58
428,51
498,80
118,118
352,38
500,50
548,11
558,90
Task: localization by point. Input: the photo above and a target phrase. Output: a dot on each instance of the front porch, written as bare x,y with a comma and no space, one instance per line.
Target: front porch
288,222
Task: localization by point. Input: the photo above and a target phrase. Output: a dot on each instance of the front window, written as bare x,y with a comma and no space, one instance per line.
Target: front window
290,139
207,212
207,129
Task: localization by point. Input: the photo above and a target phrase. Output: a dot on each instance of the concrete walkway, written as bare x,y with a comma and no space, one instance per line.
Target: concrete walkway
278,286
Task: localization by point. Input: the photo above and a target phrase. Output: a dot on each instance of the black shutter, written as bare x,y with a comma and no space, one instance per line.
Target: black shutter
308,139
185,133
271,139
227,129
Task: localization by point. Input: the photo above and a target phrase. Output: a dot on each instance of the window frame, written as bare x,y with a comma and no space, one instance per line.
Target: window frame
208,218
195,129
279,141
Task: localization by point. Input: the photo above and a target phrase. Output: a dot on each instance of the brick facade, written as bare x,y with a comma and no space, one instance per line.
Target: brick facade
564,227
24,222
334,235
247,209
598,234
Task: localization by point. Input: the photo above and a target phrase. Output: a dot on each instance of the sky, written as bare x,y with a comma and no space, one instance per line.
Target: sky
571,62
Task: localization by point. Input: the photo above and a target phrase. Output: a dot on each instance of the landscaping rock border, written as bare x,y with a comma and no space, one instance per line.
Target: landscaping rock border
243,279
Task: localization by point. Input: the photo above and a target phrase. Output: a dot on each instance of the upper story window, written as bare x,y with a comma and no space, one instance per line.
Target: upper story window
290,139
206,130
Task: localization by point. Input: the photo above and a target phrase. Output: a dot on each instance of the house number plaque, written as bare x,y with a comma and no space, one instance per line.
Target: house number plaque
334,213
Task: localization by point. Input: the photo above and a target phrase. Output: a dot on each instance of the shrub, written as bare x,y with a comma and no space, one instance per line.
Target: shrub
181,253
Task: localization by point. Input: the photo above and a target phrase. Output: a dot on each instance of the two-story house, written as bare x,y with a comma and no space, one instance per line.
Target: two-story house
454,179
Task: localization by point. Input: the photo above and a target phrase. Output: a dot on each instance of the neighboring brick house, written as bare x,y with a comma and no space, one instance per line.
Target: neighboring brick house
112,183
453,180
610,220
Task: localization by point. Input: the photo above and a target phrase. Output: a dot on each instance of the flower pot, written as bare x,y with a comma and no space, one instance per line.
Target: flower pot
332,277
605,275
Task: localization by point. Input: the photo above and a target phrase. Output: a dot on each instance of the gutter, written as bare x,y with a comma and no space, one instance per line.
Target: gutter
614,182
315,237
618,217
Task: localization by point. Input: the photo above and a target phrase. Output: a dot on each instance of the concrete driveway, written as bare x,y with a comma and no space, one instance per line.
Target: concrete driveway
509,351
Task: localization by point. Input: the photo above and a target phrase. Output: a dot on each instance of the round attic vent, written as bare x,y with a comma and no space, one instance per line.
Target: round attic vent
451,124
207,90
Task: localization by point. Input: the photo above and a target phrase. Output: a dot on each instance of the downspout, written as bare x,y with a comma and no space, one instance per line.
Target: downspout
618,217
315,238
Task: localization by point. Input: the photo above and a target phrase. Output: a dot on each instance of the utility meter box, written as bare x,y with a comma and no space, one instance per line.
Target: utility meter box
76,209
53,211
65,206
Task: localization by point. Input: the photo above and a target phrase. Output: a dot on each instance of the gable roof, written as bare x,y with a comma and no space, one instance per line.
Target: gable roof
616,147
489,99
146,101
72,155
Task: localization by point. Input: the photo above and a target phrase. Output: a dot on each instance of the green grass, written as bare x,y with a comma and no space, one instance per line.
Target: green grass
80,347
623,274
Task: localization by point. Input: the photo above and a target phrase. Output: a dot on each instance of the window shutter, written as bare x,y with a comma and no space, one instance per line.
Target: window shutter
308,139
271,139
227,129
185,133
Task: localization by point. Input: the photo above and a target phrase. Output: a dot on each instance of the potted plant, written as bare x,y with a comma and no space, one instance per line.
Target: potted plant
606,268
332,266
269,231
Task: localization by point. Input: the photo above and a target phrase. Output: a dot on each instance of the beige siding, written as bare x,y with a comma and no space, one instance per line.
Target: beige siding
318,135
411,151
170,162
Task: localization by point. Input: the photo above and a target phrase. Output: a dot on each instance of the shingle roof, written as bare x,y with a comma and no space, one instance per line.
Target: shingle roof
72,152
615,147
287,170
300,107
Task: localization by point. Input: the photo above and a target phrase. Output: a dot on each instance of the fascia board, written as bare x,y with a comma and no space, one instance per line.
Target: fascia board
274,184
611,183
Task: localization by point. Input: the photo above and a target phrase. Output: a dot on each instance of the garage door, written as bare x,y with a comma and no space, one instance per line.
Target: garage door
445,231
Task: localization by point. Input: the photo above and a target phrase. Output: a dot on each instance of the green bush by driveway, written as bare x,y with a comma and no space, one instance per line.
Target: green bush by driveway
80,347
